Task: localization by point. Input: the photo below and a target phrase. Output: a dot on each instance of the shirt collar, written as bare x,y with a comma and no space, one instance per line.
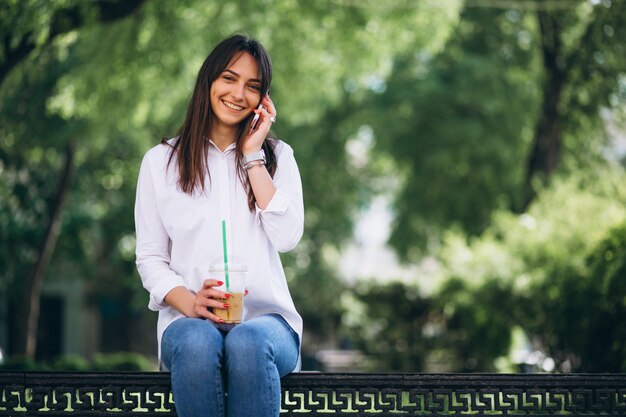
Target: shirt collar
228,149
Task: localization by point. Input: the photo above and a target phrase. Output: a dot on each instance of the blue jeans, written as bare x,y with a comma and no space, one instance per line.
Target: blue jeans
249,360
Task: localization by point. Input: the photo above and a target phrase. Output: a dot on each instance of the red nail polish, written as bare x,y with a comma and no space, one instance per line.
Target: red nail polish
245,292
220,283
226,305
226,295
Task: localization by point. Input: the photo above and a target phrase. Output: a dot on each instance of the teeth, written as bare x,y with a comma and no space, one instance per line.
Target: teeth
232,106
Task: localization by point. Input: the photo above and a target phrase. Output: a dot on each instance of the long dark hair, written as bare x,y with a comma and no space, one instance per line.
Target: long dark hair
192,146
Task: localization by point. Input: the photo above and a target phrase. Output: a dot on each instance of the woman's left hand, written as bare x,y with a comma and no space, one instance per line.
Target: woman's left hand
267,116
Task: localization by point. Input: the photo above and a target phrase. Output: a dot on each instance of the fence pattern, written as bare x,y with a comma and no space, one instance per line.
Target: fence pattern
317,394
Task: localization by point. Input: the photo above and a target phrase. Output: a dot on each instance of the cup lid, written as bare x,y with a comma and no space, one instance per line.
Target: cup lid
232,267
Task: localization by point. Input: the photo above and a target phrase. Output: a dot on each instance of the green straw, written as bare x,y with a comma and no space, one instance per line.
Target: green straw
225,255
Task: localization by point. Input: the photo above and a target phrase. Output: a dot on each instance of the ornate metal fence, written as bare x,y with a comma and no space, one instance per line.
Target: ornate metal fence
318,394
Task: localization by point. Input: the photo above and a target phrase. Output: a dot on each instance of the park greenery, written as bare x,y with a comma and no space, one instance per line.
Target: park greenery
492,126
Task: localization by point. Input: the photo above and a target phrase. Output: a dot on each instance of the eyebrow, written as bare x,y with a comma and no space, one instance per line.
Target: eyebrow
255,80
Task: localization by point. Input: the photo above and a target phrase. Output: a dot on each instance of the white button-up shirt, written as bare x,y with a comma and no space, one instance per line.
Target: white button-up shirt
180,235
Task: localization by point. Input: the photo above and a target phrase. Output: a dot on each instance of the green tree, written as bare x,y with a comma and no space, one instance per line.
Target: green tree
32,198
460,128
396,326
35,197
553,272
572,304
476,324
29,26
582,49
603,351
514,95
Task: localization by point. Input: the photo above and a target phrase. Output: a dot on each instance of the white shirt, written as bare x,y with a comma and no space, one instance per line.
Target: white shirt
180,235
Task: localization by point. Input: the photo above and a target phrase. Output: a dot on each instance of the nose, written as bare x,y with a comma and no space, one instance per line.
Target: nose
238,91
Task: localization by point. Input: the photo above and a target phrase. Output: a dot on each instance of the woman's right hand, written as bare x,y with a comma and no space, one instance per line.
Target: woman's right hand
208,298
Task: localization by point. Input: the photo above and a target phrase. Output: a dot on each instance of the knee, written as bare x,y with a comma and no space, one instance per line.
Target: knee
248,344
192,339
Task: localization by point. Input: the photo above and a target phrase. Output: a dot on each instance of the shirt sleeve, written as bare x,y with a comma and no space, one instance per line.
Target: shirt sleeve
153,242
283,218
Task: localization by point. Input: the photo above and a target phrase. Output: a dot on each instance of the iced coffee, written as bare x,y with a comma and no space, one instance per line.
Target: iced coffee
233,276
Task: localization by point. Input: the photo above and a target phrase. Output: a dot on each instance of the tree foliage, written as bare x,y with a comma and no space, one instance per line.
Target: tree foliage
569,298
393,324
556,274
460,122
476,127
509,117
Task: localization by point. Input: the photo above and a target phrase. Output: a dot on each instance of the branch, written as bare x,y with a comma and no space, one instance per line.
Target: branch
584,51
14,56
63,21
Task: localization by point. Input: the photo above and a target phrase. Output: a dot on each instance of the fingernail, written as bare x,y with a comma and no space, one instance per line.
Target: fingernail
245,292
221,320
220,283
226,295
226,305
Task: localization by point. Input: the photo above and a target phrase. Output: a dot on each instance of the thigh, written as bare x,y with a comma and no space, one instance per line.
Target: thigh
192,350
191,339
262,337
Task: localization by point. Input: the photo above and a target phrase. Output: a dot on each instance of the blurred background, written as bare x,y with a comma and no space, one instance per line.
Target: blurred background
463,164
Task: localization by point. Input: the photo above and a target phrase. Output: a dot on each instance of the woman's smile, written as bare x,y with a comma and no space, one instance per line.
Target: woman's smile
232,106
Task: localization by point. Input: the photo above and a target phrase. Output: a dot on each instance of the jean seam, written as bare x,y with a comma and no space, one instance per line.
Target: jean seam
272,371
220,397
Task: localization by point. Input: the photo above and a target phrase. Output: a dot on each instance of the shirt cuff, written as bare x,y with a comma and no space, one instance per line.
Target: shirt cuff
158,293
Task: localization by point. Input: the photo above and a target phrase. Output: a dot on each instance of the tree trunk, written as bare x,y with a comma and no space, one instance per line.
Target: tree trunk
546,152
27,344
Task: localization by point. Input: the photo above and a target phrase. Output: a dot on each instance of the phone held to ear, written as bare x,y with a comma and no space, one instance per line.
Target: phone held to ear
255,119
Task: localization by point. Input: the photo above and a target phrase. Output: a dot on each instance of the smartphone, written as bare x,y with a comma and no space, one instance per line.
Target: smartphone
255,119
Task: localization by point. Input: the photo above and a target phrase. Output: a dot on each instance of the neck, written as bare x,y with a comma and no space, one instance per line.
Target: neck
223,136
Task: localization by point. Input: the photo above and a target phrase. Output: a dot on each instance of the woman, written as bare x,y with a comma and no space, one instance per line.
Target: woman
221,168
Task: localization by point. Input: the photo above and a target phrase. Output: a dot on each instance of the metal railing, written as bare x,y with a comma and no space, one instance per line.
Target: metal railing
324,394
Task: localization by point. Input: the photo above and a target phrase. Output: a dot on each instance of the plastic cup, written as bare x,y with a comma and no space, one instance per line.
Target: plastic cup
234,279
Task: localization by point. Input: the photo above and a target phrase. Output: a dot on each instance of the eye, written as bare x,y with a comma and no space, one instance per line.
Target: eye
229,77
255,87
